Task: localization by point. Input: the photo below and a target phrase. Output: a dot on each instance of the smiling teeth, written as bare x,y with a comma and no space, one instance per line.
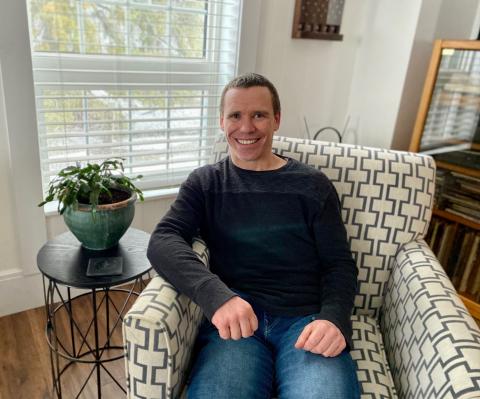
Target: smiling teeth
247,141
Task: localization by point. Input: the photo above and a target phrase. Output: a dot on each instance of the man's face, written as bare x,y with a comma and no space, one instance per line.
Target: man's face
249,124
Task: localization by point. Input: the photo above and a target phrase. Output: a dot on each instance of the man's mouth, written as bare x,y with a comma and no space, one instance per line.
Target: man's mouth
246,142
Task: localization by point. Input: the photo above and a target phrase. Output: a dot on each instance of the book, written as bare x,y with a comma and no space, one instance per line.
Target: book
438,237
473,286
428,236
445,244
433,238
455,250
472,218
459,267
462,200
109,266
461,176
475,290
471,260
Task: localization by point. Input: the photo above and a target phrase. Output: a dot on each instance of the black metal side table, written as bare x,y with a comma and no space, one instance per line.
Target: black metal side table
85,329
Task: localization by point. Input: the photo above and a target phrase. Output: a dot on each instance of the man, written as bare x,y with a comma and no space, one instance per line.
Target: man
282,281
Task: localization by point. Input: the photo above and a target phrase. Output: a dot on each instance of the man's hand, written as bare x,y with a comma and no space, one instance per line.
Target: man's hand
321,337
235,319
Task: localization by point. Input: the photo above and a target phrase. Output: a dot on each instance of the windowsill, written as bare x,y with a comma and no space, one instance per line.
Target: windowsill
50,209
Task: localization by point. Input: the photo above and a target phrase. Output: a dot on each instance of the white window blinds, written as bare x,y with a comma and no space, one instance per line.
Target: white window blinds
137,79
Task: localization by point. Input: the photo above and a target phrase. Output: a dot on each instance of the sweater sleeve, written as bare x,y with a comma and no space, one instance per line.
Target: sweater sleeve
171,255
339,282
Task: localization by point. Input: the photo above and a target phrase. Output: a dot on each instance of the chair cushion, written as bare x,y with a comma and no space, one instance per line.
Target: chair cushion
368,352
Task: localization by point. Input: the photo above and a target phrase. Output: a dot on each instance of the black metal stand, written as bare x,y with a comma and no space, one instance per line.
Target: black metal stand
99,351
88,340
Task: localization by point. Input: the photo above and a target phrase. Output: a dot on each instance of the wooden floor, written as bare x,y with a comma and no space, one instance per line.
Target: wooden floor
25,365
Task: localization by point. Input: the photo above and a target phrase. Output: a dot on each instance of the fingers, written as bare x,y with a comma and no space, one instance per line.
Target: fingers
235,330
235,319
315,339
321,337
334,349
224,331
302,339
253,322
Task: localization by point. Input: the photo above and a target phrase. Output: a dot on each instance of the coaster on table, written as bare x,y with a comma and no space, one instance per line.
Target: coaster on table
111,266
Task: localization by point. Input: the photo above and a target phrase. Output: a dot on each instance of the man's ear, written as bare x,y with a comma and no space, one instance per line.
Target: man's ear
277,118
221,121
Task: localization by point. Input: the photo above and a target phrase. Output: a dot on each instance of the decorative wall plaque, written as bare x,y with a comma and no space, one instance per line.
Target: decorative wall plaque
318,19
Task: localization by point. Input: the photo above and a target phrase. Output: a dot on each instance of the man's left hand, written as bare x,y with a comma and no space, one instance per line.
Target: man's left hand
321,337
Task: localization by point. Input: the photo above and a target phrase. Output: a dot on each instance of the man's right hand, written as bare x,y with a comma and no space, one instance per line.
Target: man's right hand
235,319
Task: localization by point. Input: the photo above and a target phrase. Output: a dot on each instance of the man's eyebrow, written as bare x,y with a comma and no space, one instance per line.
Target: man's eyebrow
233,113
257,111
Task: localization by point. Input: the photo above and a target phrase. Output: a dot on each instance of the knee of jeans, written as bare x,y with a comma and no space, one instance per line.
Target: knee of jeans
326,378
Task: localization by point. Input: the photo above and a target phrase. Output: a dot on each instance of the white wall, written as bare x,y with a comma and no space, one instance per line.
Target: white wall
380,69
8,245
23,224
313,77
358,80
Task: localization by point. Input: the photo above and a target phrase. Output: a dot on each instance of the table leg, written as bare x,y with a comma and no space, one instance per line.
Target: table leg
70,306
107,312
97,350
52,332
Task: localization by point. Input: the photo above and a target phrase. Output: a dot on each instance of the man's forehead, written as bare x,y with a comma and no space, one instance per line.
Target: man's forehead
237,96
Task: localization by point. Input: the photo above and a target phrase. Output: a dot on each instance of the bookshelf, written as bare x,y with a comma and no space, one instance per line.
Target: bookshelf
448,128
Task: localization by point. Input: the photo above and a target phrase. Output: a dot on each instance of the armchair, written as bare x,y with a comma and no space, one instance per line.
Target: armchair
413,337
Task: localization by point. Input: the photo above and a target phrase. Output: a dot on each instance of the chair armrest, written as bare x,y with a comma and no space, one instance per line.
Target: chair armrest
158,333
431,341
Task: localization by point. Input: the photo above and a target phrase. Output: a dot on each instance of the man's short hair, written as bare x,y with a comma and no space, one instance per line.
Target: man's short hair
252,80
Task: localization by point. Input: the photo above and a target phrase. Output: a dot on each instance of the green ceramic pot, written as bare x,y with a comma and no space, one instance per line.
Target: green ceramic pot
103,231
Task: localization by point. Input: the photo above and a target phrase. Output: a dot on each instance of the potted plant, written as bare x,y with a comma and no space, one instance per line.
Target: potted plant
96,201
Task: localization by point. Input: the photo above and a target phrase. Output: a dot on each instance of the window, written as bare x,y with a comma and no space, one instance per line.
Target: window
137,79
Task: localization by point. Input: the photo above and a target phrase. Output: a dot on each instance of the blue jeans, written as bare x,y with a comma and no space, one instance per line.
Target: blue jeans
267,364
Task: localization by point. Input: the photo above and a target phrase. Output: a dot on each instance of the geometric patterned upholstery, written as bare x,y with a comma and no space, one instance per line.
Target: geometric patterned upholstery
159,332
373,371
431,342
412,336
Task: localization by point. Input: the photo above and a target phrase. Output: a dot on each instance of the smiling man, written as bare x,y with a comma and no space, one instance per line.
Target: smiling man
280,289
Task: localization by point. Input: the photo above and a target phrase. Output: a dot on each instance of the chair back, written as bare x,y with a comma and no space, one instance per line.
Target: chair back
386,199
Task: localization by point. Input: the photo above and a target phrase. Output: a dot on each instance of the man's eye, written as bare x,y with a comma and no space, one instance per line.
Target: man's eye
235,116
258,115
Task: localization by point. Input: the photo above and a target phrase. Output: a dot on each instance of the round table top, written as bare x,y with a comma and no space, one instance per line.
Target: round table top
64,260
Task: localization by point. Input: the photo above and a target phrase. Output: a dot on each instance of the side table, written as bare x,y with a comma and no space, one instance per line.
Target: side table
81,329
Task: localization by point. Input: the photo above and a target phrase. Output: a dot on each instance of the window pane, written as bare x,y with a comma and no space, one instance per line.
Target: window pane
188,33
103,29
54,26
148,32
194,4
138,28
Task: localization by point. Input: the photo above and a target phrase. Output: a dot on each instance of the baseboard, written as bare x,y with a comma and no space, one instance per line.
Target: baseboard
10,274
19,292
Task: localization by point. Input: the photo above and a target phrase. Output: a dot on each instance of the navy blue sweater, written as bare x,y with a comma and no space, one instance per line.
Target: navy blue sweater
276,235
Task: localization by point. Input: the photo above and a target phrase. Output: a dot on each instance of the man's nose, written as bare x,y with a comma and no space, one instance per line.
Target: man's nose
247,125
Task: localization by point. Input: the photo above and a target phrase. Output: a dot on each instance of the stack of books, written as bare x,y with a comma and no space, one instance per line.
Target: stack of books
458,194
458,250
